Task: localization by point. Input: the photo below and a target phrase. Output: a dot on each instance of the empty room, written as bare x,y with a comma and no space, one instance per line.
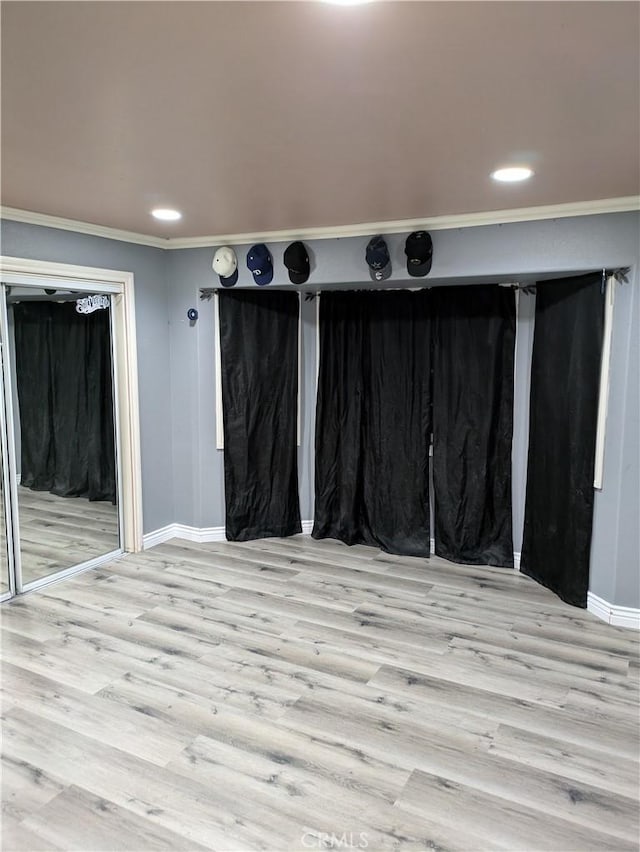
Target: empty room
319,426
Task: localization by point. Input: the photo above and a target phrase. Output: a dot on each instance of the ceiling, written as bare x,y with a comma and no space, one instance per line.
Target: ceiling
263,116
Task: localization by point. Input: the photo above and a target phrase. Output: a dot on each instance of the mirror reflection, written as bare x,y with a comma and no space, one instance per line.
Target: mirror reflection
4,561
64,428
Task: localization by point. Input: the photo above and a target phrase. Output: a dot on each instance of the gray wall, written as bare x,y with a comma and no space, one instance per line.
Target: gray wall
149,268
197,465
523,252
617,534
182,470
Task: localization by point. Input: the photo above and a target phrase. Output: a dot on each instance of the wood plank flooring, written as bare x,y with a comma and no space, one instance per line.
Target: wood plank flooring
293,694
60,532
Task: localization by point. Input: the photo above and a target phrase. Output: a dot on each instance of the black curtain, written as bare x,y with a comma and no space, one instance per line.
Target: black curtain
565,381
64,382
473,351
259,348
373,420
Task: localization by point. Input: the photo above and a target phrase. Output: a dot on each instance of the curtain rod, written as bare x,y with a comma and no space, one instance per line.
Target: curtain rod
619,273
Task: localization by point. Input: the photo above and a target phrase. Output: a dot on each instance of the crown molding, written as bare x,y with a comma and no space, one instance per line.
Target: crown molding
399,226
46,221
435,223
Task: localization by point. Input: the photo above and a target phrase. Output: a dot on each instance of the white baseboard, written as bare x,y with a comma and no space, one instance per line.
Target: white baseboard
158,536
199,534
618,616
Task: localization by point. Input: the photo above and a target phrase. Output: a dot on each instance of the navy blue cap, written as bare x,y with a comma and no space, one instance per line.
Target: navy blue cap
260,263
378,259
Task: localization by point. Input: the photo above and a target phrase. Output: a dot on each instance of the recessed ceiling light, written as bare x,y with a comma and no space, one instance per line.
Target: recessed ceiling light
512,174
166,214
347,2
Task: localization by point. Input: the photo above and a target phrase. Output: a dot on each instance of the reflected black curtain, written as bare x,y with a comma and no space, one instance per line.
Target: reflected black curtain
473,351
373,421
565,381
259,348
64,382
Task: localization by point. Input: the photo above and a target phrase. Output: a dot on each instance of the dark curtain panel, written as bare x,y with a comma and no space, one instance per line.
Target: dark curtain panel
565,381
373,421
473,350
64,382
259,348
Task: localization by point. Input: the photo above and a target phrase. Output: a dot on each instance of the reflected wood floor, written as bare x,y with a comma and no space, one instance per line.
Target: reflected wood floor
294,694
60,532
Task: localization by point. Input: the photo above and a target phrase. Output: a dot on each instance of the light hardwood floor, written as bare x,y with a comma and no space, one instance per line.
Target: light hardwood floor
293,694
60,532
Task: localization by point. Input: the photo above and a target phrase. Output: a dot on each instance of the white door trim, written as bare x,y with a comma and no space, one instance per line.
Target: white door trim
15,270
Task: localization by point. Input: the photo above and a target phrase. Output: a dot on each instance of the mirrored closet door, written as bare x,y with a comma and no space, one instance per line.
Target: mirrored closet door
61,434
7,586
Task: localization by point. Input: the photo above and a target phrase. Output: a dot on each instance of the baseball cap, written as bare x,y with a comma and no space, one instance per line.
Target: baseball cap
260,263
296,259
225,263
378,260
419,251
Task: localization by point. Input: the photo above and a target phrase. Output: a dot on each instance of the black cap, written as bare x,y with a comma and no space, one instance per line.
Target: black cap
419,252
296,259
378,259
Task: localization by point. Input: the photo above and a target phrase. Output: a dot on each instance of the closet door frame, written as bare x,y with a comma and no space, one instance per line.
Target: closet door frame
119,286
